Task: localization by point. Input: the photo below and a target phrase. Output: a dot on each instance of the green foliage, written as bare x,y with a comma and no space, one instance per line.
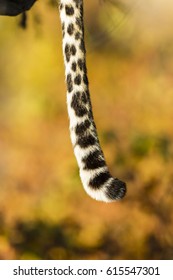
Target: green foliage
142,145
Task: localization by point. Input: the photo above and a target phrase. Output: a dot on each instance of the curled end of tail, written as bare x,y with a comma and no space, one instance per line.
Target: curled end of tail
116,190
103,187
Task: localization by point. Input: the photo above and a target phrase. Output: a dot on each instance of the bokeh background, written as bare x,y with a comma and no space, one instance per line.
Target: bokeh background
44,211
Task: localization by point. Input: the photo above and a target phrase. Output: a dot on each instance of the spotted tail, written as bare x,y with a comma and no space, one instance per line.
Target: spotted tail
96,179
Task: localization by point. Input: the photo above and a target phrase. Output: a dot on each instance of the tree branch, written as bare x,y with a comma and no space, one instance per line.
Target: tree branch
15,7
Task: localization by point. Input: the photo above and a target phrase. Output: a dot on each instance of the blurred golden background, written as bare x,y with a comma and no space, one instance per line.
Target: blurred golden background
44,211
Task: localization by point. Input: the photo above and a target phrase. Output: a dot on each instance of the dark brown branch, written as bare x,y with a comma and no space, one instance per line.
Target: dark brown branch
15,7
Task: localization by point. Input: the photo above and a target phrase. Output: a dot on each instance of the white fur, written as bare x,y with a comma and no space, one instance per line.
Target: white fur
80,153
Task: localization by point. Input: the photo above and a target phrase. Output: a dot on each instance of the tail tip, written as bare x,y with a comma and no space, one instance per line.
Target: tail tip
116,190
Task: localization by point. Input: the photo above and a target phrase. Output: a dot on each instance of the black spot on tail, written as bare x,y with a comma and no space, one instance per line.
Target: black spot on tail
79,23
81,64
98,181
67,52
69,10
74,66
116,190
82,127
85,141
77,80
70,29
69,83
77,106
94,160
77,35
73,49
